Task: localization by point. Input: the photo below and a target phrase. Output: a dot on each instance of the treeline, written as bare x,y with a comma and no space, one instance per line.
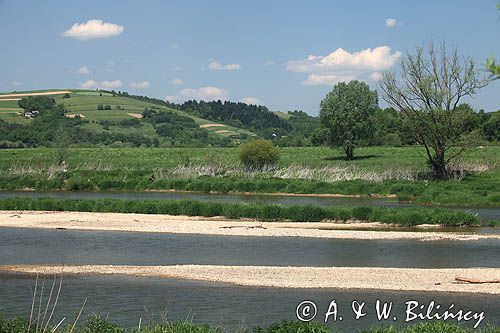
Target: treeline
390,128
251,117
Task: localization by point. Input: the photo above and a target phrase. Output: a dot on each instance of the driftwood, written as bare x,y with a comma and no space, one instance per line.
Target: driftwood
475,281
243,226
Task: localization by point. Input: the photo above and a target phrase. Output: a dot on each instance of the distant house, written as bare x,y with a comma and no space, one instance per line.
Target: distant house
31,114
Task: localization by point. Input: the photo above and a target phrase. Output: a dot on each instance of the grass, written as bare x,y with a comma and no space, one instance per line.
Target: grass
376,159
95,324
258,211
379,171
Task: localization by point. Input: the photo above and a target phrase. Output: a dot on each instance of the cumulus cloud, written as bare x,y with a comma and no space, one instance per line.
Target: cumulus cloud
375,76
91,84
140,85
342,65
318,79
216,66
177,81
111,84
93,29
203,94
390,22
251,100
84,71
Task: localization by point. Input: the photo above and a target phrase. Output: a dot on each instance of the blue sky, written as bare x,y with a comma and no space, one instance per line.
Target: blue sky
256,51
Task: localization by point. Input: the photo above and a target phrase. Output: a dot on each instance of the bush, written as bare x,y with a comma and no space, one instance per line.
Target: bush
258,154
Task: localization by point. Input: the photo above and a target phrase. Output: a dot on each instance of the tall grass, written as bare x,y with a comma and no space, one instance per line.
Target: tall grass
405,217
95,324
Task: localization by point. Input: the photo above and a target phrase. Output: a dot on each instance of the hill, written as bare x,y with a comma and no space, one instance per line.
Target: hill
118,115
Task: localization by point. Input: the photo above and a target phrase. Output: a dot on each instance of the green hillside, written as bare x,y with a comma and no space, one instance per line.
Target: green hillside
85,104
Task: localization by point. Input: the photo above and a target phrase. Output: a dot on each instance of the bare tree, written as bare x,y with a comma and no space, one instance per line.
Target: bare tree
427,91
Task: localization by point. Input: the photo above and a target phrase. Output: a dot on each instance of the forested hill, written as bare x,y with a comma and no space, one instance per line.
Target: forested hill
251,117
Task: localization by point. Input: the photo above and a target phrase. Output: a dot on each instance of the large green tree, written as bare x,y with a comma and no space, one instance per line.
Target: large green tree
346,113
427,91
492,64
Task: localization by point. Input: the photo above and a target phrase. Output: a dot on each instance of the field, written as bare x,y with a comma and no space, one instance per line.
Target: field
376,171
85,103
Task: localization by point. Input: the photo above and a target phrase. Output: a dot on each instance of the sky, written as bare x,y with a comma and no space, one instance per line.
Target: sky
286,55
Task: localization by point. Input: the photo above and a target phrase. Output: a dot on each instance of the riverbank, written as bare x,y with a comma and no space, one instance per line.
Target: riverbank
366,278
156,223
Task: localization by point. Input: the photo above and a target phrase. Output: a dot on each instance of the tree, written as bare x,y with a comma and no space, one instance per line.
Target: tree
491,128
62,142
346,113
492,64
427,92
39,103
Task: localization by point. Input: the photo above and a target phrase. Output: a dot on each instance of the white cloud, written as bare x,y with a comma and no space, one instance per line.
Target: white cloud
375,76
140,85
84,70
93,29
216,66
391,22
318,79
176,82
202,94
251,100
269,62
16,83
91,84
342,65
340,59
111,84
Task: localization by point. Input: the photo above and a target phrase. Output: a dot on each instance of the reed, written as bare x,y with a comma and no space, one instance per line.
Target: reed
258,211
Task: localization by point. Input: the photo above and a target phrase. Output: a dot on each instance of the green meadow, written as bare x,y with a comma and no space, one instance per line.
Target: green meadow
382,171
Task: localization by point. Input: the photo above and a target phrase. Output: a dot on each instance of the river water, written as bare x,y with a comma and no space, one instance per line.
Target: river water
39,246
125,300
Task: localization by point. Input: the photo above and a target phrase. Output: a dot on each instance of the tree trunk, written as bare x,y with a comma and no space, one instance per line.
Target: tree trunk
349,152
438,165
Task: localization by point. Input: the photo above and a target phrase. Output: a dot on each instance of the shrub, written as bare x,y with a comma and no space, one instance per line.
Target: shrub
258,154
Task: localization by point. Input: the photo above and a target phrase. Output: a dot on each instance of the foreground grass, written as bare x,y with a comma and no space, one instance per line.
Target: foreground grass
404,217
98,325
379,170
